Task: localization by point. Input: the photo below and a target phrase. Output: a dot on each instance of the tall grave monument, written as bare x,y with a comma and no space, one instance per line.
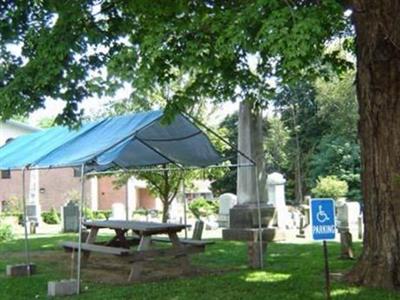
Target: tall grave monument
251,183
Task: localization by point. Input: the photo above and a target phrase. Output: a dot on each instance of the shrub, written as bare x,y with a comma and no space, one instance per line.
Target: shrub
51,217
12,205
88,213
330,187
101,214
201,207
6,233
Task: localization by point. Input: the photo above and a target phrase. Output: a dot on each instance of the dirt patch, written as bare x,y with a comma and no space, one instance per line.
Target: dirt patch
115,270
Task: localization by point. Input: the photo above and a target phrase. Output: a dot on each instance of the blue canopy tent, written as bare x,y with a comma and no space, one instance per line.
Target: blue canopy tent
123,142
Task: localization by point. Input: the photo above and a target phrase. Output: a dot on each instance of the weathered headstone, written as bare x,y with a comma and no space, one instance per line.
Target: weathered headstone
32,217
198,230
70,217
226,202
62,288
347,219
348,214
20,270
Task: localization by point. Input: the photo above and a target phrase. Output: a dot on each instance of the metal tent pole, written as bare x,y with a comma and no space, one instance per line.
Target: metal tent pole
127,200
78,268
184,203
27,254
260,237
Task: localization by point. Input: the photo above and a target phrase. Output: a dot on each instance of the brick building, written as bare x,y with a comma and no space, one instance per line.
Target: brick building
53,188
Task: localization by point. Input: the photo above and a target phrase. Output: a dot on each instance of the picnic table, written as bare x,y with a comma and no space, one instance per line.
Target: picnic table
120,244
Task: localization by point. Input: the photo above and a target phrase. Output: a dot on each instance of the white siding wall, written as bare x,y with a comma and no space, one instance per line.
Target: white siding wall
12,131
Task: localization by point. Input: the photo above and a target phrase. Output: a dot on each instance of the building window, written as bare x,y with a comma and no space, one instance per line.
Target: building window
5,174
77,172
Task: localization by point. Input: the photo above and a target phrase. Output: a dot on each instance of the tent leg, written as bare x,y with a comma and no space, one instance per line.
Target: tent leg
127,201
25,220
184,204
260,236
78,267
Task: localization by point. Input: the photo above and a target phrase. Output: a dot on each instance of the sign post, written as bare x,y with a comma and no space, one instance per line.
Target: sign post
323,228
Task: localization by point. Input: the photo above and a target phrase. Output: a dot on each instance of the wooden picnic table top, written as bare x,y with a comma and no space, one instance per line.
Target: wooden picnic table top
137,226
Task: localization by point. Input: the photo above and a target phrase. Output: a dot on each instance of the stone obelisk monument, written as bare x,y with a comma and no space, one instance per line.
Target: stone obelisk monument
251,188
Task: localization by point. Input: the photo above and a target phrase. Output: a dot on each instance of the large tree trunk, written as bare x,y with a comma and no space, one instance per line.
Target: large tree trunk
378,90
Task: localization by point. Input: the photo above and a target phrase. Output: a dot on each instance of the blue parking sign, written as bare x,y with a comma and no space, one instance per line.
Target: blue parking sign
323,219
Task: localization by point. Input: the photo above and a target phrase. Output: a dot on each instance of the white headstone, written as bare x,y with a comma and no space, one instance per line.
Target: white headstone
118,211
276,197
226,202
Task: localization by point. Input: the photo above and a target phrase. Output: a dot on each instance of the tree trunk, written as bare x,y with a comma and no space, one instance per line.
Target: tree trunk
298,190
165,214
378,90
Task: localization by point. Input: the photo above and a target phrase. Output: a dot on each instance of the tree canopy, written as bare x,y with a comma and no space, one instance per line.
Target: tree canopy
223,50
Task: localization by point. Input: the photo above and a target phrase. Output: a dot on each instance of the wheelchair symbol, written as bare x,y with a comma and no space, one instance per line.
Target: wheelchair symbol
322,217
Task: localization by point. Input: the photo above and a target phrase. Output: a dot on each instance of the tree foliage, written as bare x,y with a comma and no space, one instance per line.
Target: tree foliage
70,50
330,187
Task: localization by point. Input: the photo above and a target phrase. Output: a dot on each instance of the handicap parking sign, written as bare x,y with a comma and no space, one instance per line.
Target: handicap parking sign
323,219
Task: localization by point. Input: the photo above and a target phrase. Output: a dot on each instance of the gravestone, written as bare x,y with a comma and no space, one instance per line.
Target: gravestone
347,218
70,217
348,214
118,212
251,184
226,202
276,197
32,217
66,287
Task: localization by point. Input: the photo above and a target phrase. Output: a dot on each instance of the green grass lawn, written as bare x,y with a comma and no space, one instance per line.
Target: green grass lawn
292,272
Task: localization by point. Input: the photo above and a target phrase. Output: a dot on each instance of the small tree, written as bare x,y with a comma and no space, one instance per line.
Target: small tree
164,184
201,207
6,233
330,186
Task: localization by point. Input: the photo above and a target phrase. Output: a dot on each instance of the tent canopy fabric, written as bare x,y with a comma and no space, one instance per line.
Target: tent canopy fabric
128,141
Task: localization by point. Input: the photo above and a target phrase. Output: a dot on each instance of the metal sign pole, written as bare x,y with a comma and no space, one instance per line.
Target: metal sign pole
25,220
78,275
327,279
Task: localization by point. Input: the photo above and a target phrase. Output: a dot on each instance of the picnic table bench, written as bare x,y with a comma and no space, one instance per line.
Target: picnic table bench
119,245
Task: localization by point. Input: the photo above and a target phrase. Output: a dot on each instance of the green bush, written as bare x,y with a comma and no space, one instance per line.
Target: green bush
88,213
6,233
330,187
12,205
10,214
201,207
101,214
51,217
